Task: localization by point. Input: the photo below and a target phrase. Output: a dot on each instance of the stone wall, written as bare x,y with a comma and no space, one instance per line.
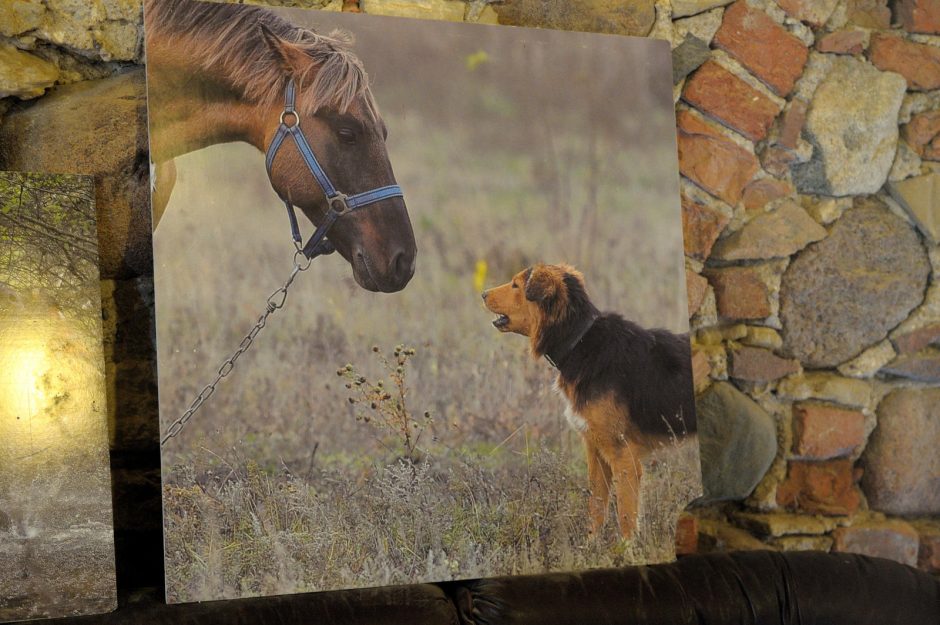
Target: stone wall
809,148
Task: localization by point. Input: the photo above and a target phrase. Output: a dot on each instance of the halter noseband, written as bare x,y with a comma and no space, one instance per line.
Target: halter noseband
338,203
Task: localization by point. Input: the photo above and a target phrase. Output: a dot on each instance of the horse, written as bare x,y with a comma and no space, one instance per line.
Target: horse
219,73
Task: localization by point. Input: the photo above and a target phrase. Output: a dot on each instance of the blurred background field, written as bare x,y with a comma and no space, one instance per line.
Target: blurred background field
512,146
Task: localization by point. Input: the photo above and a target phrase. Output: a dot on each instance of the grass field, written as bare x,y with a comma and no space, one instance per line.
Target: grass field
280,484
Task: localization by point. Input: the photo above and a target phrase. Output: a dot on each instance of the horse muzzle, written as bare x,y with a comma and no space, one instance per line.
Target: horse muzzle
386,277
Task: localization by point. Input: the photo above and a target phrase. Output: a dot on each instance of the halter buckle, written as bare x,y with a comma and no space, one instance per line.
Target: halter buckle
339,203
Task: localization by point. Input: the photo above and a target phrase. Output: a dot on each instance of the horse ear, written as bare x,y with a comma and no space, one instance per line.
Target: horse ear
292,59
541,285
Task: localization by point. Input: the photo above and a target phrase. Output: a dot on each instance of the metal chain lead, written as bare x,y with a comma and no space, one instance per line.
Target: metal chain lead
274,302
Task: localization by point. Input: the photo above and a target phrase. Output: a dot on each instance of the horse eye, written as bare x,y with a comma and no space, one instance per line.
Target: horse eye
347,135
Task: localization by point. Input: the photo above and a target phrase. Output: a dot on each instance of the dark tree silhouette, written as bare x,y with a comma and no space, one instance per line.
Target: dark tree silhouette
48,241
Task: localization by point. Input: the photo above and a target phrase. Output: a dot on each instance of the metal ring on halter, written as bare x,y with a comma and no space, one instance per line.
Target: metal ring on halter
301,265
296,123
341,200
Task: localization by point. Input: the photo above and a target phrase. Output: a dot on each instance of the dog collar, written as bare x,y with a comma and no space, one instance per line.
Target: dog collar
556,357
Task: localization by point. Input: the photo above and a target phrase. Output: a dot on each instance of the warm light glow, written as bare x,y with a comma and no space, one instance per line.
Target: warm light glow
49,391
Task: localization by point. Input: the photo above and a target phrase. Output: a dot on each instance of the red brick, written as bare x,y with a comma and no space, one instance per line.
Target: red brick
820,487
824,432
730,100
686,534
918,339
919,63
923,129
695,288
919,16
928,555
791,125
869,13
739,293
893,539
762,45
701,226
842,42
715,163
755,364
761,192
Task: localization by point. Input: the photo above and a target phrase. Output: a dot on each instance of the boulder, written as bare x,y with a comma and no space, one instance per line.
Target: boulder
852,125
24,75
99,128
738,442
846,292
902,463
620,17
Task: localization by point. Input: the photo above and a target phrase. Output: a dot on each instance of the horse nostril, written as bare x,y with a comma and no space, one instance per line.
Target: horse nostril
402,266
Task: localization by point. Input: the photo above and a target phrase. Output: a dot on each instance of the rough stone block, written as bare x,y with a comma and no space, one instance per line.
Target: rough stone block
902,463
762,45
919,63
740,293
891,539
822,432
719,93
820,487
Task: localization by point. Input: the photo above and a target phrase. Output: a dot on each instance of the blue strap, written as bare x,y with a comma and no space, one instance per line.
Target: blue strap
274,147
312,163
318,244
375,195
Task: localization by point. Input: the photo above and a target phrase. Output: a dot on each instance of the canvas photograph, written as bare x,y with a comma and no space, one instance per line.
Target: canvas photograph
420,300
56,525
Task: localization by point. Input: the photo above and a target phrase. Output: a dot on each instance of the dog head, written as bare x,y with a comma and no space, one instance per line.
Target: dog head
538,298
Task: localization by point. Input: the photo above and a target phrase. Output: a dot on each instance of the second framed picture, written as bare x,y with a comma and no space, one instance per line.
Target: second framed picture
420,300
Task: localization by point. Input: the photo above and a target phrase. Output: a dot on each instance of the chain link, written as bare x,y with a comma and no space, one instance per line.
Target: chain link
274,303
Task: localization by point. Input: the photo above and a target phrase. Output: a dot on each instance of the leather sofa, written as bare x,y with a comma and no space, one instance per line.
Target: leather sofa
748,587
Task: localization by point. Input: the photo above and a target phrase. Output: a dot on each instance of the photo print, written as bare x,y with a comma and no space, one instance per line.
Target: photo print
56,524
420,300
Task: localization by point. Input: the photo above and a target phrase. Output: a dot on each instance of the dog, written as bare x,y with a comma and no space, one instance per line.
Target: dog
628,389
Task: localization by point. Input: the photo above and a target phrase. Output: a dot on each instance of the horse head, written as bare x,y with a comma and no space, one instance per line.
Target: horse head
338,116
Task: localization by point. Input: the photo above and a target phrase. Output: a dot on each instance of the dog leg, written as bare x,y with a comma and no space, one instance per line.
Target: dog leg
627,474
599,480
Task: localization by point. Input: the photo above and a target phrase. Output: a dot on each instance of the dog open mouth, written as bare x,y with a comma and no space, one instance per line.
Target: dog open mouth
501,322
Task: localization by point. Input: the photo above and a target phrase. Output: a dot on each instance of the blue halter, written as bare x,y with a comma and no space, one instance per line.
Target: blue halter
339,203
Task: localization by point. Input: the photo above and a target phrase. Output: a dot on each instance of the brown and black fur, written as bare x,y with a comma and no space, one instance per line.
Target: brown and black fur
629,389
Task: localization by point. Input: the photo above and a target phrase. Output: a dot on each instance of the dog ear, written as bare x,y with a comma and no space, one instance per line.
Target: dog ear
541,285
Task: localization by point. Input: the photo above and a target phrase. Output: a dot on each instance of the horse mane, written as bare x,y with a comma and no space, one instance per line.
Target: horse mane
227,40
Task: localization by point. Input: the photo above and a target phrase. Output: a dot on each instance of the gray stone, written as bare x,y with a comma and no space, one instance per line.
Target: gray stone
902,466
687,57
704,25
853,126
920,368
920,197
448,10
776,234
683,8
109,31
24,75
845,293
620,17
99,128
738,442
